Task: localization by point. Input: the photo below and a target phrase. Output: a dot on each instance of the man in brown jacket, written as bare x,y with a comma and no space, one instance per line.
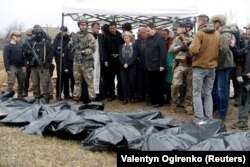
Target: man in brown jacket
205,49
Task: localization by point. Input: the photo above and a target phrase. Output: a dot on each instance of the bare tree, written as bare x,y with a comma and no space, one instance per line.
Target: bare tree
14,26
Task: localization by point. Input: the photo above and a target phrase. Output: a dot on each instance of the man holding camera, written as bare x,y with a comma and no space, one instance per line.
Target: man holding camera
39,56
244,106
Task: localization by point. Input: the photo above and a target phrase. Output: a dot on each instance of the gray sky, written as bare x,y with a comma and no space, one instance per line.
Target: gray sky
48,12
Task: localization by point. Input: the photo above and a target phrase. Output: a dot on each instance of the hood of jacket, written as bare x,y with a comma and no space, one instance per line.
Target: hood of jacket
207,28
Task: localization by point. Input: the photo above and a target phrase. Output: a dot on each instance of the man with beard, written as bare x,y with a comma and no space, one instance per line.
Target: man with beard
84,60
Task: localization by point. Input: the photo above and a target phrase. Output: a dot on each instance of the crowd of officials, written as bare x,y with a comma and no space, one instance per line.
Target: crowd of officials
174,66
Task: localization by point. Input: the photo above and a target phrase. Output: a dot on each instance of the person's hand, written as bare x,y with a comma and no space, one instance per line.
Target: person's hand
162,68
66,70
9,72
125,66
24,69
106,63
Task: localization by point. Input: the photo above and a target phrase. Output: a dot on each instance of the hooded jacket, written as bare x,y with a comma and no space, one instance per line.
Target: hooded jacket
225,59
205,47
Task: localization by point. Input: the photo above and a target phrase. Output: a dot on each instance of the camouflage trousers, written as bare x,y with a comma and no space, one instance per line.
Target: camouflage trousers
182,75
18,73
80,73
40,75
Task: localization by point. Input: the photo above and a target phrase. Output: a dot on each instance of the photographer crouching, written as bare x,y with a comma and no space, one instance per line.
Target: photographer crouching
39,56
244,106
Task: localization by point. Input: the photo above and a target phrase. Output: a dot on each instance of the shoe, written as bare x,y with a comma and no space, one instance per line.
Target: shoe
99,97
125,102
20,97
189,110
173,108
25,94
232,97
67,97
51,97
77,101
111,98
59,99
240,125
222,118
150,104
45,101
236,102
157,105
37,101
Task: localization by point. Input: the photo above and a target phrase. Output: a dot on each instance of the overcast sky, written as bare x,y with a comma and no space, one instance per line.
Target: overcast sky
48,12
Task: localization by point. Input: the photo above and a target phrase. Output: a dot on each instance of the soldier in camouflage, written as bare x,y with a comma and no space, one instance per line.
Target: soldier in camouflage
84,45
182,65
38,55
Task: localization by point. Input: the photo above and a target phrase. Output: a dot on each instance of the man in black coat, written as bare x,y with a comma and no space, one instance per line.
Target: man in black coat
140,64
112,43
64,78
155,53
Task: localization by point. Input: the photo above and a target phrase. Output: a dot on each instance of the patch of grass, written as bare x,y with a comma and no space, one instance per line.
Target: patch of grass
19,149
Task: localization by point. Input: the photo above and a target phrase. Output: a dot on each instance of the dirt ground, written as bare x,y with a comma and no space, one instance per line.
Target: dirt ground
19,149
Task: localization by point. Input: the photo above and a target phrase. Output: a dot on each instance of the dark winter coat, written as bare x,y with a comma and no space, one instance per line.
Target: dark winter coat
155,52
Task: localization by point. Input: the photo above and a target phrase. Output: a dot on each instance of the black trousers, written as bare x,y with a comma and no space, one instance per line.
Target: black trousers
64,83
141,84
128,81
156,86
114,70
167,87
27,80
72,80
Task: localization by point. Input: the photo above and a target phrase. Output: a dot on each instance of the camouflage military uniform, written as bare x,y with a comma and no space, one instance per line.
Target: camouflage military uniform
182,71
39,64
84,64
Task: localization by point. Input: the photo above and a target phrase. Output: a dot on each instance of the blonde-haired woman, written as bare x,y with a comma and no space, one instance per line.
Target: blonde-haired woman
127,56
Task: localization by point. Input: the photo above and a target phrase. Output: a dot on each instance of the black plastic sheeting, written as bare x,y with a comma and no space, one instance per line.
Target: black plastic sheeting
100,130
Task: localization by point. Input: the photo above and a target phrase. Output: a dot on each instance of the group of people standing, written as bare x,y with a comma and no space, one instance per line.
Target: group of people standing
157,67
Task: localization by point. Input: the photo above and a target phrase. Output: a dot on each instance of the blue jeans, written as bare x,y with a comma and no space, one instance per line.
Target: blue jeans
221,91
203,81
